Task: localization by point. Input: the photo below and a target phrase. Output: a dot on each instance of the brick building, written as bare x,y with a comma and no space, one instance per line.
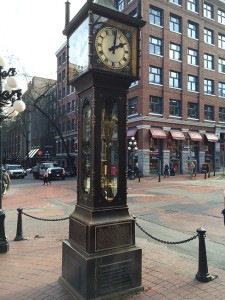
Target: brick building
176,112
66,113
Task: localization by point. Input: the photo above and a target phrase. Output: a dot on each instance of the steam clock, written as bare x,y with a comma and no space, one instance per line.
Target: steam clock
100,257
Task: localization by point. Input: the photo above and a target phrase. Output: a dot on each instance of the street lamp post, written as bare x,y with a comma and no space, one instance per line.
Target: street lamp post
132,148
10,105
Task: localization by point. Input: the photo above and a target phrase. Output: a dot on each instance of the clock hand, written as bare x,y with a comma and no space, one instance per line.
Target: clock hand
113,48
114,42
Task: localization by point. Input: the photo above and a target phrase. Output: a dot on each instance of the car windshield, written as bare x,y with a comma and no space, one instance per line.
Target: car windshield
15,167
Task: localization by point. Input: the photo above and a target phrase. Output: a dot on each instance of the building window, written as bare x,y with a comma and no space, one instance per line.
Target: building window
68,107
175,23
221,16
209,112
68,125
63,74
177,2
155,75
221,65
63,92
221,89
208,11
192,5
192,30
133,13
192,83
192,110
132,106
208,61
64,57
155,45
72,124
73,105
208,36
221,114
175,108
135,83
155,16
175,51
155,105
120,4
192,57
221,41
174,79
208,86
59,61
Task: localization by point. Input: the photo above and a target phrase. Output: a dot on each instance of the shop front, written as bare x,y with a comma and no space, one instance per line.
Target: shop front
209,145
156,145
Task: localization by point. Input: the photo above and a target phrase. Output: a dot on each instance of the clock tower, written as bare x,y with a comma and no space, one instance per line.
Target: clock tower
100,257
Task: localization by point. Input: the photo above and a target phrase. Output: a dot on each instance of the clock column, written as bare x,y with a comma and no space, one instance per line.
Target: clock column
100,258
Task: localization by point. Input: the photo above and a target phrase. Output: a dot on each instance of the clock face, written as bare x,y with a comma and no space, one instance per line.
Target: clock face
113,47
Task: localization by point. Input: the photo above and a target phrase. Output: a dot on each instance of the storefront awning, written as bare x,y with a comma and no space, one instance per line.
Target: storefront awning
211,137
131,132
158,133
195,136
33,152
177,135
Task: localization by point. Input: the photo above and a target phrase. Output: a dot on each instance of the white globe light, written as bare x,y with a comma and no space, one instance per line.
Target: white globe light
13,114
19,105
2,62
7,88
12,82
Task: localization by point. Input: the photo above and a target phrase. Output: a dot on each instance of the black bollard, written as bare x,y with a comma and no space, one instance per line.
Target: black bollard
214,173
19,231
205,175
209,174
139,177
202,274
159,178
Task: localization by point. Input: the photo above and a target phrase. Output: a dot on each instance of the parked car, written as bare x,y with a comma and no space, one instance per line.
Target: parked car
15,171
69,172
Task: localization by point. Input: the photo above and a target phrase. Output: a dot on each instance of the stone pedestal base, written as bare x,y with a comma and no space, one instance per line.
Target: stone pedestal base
103,275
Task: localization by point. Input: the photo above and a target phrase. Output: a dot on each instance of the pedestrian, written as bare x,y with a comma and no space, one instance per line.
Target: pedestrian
166,171
5,182
46,178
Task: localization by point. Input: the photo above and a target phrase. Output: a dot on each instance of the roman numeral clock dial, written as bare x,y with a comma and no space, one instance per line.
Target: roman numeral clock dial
113,48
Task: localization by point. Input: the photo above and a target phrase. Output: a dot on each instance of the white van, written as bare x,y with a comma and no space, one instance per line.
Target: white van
15,171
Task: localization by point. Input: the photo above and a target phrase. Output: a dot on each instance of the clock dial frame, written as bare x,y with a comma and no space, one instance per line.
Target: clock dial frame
113,47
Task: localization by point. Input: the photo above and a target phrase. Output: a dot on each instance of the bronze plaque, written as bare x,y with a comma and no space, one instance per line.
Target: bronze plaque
113,236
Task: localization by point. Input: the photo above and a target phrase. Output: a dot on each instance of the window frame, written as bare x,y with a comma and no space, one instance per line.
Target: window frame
193,30
209,61
208,10
132,106
155,105
174,79
209,112
157,74
208,38
158,19
221,89
193,57
192,5
221,41
193,83
175,54
175,108
155,46
193,110
222,112
209,86
175,26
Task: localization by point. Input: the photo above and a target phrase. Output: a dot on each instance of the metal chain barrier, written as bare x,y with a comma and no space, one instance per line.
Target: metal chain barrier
164,242
42,219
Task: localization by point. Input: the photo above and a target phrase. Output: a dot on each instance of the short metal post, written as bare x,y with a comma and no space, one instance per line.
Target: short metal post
202,274
159,178
139,177
214,173
19,231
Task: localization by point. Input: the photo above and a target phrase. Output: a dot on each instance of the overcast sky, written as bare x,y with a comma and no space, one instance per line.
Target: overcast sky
31,33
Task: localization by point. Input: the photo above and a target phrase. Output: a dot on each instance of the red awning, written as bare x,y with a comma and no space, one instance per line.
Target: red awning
195,136
131,132
158,133
177,135
211,137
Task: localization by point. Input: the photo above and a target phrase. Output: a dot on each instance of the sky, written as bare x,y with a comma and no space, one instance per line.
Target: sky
31,33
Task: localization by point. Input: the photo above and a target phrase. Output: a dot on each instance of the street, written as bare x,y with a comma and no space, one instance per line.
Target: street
168,210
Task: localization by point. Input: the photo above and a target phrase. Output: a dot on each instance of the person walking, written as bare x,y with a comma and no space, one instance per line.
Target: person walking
46,178
166,171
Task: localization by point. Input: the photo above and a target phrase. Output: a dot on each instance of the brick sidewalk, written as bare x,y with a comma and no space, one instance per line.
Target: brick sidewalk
31,268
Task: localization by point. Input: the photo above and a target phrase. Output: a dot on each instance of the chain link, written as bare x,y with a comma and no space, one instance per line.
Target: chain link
166,242
42,219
